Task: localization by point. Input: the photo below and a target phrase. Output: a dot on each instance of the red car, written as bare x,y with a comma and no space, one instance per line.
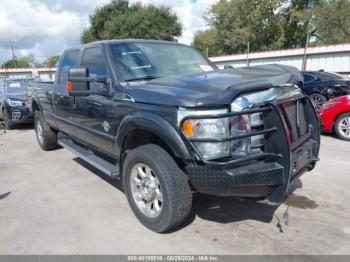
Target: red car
335,116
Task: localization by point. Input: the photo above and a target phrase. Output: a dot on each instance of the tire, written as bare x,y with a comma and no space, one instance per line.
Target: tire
318,100
172,184
7,121
342,126
46,137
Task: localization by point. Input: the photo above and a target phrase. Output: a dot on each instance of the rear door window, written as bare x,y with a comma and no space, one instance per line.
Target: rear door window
309,78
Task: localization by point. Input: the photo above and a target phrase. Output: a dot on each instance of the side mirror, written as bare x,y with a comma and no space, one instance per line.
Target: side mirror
78,81
228,67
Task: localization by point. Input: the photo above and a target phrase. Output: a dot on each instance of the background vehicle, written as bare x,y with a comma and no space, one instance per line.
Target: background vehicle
335,116
322,86
13,102
163,119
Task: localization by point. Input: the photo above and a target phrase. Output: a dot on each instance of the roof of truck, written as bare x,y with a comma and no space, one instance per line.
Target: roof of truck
116,41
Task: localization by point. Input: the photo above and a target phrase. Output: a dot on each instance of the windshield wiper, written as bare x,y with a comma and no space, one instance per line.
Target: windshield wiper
148,77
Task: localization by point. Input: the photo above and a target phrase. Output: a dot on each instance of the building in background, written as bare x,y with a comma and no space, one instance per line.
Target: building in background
333,58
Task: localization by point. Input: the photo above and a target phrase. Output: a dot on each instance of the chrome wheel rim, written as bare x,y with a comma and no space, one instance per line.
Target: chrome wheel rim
317,101
39,132
344,127
146,190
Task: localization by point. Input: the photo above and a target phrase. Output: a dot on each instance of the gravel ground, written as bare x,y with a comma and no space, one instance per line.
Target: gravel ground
54,203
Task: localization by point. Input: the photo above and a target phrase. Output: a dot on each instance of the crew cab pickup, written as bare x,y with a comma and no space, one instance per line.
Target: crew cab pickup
164,120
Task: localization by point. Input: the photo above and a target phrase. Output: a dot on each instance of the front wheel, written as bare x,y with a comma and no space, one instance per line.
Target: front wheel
318,100
342,126
157,190
46,137
7,121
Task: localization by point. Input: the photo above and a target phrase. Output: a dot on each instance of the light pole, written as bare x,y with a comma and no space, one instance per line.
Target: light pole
310,5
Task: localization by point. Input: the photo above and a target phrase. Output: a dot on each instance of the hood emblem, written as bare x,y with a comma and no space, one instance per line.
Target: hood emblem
106,126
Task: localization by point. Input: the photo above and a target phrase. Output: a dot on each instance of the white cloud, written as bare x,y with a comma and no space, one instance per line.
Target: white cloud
47,27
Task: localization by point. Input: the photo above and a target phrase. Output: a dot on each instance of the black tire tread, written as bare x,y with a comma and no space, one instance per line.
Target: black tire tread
7,122
50,137
180,193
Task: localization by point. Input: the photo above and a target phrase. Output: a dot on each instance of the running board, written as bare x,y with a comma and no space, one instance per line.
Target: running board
88,156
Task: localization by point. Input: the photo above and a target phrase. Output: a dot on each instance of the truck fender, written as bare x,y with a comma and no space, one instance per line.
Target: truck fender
157,125
36,102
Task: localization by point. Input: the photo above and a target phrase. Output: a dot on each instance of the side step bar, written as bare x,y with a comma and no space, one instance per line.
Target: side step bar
88,156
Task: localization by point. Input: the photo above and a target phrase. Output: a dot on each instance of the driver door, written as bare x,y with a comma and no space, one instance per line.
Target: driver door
95,115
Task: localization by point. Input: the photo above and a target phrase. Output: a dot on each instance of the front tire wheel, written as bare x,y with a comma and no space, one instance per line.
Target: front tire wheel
157,190
7,121
318,100
46,137
342,126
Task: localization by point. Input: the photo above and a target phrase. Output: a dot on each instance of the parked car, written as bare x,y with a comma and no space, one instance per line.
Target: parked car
335,116
322,86
13,102
162,118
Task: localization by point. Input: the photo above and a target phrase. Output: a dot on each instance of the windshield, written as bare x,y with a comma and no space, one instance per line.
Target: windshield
152,60
16,87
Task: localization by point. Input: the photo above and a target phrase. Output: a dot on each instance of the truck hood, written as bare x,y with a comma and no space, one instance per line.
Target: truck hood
214,88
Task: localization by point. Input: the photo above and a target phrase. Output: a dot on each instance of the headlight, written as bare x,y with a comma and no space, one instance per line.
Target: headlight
247,123
14,103
207,128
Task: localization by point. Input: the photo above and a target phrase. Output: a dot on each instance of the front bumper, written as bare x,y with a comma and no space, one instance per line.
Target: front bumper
20,115
269,175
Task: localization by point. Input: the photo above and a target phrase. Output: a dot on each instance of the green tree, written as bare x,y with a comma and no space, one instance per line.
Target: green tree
332,22
298,15
50,62
238,22
120,19
23,62
205,41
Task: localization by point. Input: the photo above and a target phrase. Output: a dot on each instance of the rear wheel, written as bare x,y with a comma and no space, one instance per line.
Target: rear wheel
7,121
156,188
318,100
342,126
46,137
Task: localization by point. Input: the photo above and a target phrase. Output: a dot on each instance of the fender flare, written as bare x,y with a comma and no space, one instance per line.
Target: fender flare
153,123
37,102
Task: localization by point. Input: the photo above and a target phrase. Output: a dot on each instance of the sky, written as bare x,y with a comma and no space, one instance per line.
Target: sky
47,27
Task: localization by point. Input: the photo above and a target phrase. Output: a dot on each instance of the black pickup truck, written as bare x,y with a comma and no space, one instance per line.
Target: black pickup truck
162,118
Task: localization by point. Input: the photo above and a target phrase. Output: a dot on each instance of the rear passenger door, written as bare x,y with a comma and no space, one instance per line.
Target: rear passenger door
94,114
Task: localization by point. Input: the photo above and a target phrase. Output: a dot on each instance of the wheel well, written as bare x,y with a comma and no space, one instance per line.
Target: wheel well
35,106
140,137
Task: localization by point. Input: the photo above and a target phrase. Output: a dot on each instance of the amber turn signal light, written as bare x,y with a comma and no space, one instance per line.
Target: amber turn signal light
69,86
187,128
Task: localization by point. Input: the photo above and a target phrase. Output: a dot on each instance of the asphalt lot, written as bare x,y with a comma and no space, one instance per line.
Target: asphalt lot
54,203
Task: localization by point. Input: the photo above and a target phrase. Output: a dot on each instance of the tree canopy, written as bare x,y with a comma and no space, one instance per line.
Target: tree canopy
272,24
23,62
120,19
50,62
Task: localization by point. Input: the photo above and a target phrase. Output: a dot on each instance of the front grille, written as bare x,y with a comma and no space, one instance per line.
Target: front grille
257,124
295,117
